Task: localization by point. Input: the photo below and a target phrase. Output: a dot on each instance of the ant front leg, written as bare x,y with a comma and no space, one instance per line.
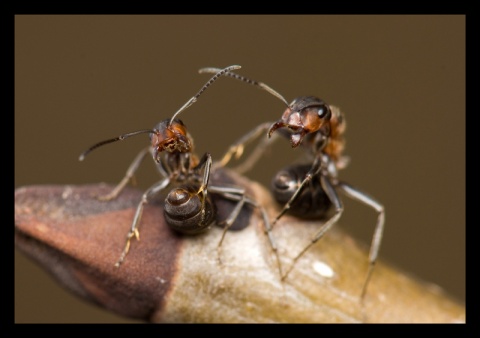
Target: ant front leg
236,149
238,194
256,154
153,190
338,205
205,164
378,232
128,176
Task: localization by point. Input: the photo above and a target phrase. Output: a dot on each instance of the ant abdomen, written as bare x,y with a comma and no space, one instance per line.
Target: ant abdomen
185,213
312,201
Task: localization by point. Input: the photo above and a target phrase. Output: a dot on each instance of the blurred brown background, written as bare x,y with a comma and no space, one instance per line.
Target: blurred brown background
399,79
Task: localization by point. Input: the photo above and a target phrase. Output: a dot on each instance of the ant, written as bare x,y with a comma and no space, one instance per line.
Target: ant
189,208
309,191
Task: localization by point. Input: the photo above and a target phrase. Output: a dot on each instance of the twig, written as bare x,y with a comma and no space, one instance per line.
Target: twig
172,278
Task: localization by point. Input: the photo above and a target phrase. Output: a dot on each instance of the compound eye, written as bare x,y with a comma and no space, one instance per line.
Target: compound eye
323,111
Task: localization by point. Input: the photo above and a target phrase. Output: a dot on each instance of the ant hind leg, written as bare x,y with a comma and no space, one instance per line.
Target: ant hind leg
362,197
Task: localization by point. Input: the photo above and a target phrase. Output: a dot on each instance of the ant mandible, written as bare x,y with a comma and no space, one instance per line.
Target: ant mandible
309,191
188,207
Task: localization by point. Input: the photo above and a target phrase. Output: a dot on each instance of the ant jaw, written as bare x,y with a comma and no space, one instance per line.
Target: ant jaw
297,132
156,155
291,120
296,139
275,126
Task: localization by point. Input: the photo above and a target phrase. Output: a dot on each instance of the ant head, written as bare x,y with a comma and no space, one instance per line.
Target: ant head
170,136
305,115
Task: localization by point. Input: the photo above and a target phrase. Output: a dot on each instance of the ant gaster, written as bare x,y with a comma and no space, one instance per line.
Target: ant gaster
309,191
188,207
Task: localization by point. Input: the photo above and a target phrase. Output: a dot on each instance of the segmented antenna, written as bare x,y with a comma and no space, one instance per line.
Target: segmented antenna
219,72
119,138
247,80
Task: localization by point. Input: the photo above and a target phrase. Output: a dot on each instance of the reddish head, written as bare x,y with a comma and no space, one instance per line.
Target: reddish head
305,115
170,137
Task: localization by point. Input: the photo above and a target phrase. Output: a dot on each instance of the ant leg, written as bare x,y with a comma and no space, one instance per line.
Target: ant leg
378,233
338,205
314,170
227,223
153,190
238,194
237,148
268,231
255,155
205,162
128,176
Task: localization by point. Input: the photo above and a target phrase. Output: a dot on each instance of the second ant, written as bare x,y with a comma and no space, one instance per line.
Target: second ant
309,191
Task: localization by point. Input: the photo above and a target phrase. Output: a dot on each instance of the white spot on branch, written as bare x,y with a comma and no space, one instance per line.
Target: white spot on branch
323,269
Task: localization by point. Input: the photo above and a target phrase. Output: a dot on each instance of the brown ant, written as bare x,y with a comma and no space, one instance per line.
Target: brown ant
189,208
309,191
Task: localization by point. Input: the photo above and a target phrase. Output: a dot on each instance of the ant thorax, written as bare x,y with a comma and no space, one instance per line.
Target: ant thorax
336,142
179,167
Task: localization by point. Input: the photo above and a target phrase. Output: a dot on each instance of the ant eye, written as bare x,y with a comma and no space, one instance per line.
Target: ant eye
322,111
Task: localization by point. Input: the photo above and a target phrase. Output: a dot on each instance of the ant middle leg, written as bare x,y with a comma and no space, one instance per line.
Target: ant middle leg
238,194
338,205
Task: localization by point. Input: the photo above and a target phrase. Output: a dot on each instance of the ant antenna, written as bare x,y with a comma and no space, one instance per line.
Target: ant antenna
219,72
119,138
247,80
